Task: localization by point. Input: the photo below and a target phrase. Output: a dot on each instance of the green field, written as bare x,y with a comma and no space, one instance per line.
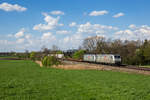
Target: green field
25,80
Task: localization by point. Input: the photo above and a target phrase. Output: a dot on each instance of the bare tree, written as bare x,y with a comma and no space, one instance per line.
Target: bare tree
90,44
45,50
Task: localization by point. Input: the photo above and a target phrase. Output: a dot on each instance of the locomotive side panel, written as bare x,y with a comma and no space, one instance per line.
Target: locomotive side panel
89,57
105,58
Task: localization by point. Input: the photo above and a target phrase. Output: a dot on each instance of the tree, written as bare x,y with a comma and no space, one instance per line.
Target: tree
116,47
32,55
102,46
90,44
146,53
78,54
138,57
49,61
143,53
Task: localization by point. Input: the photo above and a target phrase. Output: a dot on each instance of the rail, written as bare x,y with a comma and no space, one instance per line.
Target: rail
120,66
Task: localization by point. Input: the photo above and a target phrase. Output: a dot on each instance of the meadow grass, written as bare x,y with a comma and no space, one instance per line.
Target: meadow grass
25,80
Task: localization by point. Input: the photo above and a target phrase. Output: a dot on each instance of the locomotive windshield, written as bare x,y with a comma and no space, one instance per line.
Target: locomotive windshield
117,56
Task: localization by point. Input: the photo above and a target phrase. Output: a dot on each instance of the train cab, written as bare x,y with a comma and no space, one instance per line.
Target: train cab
117,59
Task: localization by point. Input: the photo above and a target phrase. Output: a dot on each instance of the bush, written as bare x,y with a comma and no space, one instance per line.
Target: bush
78,54
50,60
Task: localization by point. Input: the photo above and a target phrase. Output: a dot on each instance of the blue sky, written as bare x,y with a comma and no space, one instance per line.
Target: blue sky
30,24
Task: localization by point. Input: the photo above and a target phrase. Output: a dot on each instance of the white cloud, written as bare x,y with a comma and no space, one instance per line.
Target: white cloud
66,39
72,24
98,13
51,23
63,32
48,39
6,45
132,26
57,12
20,33
9,7
118,15
145,27
72,41
94,28
141,32
19,41
27,36
23,39
48,36
126,32
100,32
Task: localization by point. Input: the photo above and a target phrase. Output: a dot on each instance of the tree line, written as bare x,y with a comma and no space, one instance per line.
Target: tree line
133,52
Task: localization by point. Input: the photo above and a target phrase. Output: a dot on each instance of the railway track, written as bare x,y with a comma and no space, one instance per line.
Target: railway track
120,66
137,68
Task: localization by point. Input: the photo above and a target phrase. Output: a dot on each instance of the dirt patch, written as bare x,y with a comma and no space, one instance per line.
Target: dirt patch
85,66
100,67
77,66
40,63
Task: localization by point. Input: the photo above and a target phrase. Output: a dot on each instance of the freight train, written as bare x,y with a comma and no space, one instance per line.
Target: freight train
97,58
102,58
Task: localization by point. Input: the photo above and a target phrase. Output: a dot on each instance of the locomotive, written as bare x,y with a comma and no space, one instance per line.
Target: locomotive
102,58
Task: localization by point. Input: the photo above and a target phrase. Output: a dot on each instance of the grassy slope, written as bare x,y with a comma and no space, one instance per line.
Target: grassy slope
24,80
